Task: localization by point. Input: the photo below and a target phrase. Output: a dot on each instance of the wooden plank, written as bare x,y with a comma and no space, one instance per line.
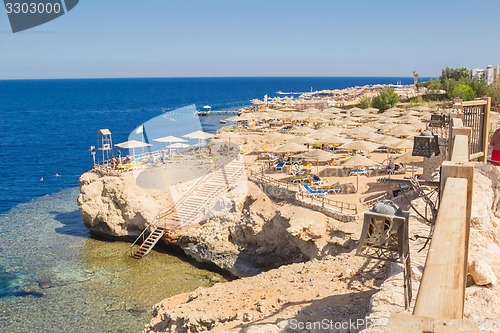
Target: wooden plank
442,288
457,130
476,155
450,169
475,102
457,121
486,130
460,146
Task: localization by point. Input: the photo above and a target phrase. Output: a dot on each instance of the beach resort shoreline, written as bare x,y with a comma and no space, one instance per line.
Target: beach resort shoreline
294,252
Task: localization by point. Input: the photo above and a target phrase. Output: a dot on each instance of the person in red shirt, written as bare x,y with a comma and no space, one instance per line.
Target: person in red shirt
495,142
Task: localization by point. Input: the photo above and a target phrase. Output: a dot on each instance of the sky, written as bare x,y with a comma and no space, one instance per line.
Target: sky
221,38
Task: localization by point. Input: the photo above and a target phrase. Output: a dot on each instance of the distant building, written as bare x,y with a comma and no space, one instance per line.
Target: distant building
488,74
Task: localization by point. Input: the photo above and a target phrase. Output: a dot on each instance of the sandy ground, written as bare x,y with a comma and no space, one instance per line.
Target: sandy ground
333,290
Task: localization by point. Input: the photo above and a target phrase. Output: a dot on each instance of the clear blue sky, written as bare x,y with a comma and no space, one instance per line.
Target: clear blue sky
171,38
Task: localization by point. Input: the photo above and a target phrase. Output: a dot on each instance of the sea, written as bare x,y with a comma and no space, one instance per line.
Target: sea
55,277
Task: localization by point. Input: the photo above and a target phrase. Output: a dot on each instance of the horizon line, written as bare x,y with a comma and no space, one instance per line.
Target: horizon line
206,77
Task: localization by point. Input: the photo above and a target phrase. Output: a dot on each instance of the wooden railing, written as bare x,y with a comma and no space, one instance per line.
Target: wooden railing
476,116
442,289
323,201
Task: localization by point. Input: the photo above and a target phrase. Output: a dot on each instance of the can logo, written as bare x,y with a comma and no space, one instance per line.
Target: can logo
32,13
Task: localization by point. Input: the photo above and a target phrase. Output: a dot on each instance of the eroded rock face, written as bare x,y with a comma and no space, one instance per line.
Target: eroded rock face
254,236
260,234
114,206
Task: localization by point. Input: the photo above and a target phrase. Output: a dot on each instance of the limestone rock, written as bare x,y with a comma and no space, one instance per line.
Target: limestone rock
482,273
116,206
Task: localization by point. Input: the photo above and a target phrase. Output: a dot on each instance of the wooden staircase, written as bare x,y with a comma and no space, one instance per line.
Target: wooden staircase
149,243
192,208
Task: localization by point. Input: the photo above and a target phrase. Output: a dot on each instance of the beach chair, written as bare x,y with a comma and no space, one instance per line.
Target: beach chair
301,178
316,180
312,192
297,171
409,168
360,172
332,162
398,169
335,188
307,167
280,165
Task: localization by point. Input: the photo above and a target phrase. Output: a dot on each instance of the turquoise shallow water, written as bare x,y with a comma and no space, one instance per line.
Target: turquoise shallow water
57,279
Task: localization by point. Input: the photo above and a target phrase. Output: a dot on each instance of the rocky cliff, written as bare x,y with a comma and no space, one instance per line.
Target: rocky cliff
115,207
255,235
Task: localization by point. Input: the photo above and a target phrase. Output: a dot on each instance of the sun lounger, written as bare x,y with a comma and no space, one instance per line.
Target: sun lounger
411,167
398,169
316,180
301,179
297,171
306,167
310,191
335,188
280,165
360,172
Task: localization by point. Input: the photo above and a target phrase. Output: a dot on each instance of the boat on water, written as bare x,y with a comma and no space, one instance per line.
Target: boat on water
205,111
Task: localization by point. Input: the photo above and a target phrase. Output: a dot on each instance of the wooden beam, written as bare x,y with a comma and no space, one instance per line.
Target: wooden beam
476,155
460,145
486,130
454,131
475,102
451,169
457,121
442,289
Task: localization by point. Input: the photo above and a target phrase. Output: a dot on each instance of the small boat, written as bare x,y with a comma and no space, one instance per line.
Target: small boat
205,111
222,121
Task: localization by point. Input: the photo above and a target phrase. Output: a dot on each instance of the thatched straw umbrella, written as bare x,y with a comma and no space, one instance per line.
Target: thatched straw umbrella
360,145
359,161
318,155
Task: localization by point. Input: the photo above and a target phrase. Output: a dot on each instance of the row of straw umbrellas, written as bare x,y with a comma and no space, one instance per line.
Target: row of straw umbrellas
355,161
173,141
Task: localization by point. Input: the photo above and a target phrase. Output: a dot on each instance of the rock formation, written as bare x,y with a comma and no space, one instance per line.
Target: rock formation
114,206
255,235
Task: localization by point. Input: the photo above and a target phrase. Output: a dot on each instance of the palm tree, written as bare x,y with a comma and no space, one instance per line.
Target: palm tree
415,78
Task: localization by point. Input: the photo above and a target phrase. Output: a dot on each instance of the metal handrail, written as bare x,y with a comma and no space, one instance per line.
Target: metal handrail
170,209
161,215
209,198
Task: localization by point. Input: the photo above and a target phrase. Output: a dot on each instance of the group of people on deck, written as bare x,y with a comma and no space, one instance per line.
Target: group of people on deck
115,161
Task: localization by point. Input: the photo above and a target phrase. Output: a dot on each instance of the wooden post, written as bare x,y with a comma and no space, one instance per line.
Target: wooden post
460,140
486,129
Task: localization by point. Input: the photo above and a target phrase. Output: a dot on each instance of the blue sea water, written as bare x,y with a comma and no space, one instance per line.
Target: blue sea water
46,128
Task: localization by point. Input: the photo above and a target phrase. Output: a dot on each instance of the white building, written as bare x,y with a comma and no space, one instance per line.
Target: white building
478,74
488,74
